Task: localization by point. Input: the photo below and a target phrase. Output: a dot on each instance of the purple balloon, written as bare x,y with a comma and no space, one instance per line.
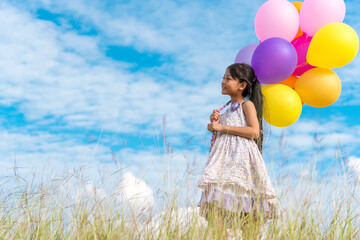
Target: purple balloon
245,54
274,60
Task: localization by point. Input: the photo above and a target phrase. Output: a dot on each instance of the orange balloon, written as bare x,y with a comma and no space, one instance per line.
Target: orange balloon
318,87
290,81
298,6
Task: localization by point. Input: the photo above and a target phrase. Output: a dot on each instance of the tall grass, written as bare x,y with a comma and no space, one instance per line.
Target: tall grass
66,207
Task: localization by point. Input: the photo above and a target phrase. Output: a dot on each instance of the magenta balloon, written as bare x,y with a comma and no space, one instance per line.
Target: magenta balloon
245,54
301,45
274,60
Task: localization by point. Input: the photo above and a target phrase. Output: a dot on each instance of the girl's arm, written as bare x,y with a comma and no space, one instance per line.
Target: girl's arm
247,132
251,131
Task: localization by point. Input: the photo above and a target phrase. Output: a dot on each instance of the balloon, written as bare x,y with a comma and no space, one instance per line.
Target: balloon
276,19
245,54
318,87
333,46
301,45
298,7
290,81
282,105
315,14
274,60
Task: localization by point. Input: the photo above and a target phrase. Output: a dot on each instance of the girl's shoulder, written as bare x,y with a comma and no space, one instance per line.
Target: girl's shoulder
248,108
248,104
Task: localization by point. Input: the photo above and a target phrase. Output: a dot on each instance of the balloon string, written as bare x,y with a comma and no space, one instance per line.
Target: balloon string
302,65
214,133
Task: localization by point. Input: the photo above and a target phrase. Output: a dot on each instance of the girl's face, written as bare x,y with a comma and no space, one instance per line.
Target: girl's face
231,86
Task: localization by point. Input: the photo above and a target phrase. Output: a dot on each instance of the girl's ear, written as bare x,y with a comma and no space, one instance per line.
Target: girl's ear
243,86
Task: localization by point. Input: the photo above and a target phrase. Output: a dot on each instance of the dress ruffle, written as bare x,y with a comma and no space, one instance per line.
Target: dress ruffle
236,199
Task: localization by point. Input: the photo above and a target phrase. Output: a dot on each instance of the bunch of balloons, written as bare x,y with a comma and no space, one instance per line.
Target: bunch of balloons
299,44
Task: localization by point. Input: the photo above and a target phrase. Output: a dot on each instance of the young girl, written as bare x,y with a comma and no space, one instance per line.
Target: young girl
235,181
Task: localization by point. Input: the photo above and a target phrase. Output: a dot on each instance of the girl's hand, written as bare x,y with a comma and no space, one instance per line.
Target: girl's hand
215,116
215,126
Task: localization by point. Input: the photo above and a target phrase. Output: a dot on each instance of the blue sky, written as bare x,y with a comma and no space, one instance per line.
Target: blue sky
83,81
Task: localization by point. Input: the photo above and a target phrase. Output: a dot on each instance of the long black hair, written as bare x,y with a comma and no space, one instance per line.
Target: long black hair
244,73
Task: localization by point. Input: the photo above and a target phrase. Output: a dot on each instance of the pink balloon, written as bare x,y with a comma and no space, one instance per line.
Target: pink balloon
277,18
301,45
315,14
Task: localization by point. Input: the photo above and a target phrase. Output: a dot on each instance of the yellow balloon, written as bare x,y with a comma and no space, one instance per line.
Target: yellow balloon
282,105
333,46
318,87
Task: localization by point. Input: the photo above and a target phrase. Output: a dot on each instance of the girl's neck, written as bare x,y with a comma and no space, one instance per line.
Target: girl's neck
235,99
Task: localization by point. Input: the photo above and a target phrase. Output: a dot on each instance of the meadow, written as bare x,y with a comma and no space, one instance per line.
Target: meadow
67,207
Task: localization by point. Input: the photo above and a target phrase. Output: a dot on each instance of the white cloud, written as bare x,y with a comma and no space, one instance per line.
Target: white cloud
137,195
354,164
49,72
302,141
147,26
181,219
69,79
44,157
94,192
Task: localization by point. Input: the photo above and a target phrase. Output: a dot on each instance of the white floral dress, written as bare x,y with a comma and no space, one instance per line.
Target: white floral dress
235,176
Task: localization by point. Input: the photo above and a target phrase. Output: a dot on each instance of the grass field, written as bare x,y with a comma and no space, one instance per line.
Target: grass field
67,207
